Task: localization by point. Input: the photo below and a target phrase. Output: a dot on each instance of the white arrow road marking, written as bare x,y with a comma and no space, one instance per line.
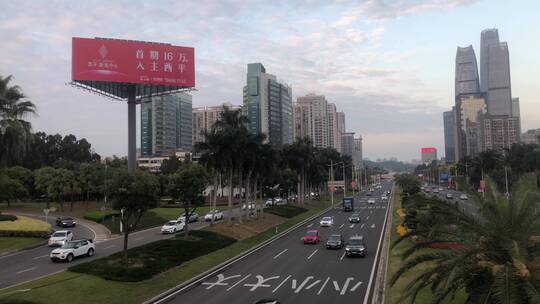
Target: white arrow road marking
280,253
345,286
260,282
324,284
310,225
372,226
220,279
297,290
356,286
351,226
341,226
281,284
309,257
361,226
313,284
238,282
25,270
341,259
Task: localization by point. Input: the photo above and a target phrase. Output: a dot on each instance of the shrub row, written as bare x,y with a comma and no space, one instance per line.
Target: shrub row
23,233
100,216
8,217
148,260
286,211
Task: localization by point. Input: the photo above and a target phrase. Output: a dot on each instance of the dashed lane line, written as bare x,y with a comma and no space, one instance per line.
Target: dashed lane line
341,226
308,226
361,226
287,278
108,247
277,255
342,256
313,253
25,270
40,257
351,226
138,239
323,285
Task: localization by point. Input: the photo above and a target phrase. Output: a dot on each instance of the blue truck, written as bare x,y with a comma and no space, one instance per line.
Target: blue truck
348,204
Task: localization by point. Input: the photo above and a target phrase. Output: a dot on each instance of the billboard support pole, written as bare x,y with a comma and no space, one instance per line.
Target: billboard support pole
132,129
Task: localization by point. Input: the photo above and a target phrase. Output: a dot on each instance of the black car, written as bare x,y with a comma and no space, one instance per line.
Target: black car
65,222
354,218
356,246
334,241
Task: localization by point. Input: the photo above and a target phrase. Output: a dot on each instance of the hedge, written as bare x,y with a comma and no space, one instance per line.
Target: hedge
25,233
287,211
8,217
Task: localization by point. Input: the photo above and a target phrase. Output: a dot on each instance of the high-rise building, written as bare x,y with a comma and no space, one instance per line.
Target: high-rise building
515,107
205,117
498,132
357,152
467,111
449,134
333,133
341,130
319,118
531,137
166,124
428,155
302,120
347,141
495,73
268,105
466,71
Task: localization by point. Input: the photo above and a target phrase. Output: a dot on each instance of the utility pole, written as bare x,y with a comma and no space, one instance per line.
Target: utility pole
353,183
332,177
344,182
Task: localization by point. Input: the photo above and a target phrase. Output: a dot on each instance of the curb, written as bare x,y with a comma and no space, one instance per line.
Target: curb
163,297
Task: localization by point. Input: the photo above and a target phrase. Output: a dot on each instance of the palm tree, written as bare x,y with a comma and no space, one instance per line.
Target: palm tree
15,132
492,256
299,156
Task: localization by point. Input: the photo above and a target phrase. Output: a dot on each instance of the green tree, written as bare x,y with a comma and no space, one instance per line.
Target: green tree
187,187
42,179
133,195
15,131
410,184
24,176
299,156
492,256
170,165
11,189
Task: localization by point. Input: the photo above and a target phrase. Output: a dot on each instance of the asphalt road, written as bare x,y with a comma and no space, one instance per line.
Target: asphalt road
27,265
468,205
291,272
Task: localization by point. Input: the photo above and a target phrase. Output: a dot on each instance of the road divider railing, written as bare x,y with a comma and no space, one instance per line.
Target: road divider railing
171,293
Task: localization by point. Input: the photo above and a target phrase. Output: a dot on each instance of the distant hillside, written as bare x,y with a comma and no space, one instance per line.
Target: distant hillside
390,165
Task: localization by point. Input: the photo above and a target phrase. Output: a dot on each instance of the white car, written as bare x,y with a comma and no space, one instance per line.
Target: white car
60,237
173,226
193,217
327,221
73,249
249,206
216,214
269,202
371,201
463,197
384,198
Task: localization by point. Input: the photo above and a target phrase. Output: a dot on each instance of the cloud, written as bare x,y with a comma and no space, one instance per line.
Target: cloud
331,48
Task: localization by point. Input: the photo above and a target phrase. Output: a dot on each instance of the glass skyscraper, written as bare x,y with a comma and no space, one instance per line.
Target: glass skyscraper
449,119
466,71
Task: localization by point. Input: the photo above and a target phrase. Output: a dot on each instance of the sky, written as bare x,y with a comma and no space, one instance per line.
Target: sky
389,65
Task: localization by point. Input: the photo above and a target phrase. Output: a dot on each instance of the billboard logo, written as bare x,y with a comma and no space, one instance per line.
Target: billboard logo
103,51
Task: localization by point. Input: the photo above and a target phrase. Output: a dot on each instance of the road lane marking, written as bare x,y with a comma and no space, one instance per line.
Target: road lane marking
40,257
367,217
110,246
308,226
25,270
309,257
324,284
341,226
238,282
313,284
361,226
372,226
351,226
281,284
275,257
356,286
343,255
306,280
138,239
345,286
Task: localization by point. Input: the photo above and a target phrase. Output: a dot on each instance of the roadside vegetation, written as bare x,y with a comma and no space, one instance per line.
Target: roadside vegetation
9,244
286,211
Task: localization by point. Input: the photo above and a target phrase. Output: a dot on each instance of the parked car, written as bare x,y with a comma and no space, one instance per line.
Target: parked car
371,201
192,218
65,222
173,226
354,218
327,221
449,196
356,246
312,237
334,241
73,249
216,214
463,197
60,237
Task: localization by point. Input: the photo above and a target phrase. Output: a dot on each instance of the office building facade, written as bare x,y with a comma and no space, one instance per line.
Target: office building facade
347,141
358,153
333,133
318,107
467,81
166,124
449,120
205,117
268,105
531,137
468,109
498,132
428,155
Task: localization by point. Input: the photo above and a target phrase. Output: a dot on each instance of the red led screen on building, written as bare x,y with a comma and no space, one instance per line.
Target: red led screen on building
429,150
135,62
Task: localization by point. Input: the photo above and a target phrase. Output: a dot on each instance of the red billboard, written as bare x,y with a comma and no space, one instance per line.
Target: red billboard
429,150
136,62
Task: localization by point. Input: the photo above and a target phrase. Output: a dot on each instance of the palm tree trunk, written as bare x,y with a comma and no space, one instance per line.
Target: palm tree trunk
213,198
241,175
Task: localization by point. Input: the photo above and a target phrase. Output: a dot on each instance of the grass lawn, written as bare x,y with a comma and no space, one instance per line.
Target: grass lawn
394,293
14,243
24,223
287,211
81,288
